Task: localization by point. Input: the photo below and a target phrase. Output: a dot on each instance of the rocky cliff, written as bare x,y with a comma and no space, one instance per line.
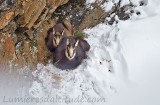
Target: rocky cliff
24,25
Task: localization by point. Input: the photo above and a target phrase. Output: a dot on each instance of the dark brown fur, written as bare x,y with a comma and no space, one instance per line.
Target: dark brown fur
59,28
62,62
84,44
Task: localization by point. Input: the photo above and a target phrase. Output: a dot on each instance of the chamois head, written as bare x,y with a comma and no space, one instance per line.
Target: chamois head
57,36
70,51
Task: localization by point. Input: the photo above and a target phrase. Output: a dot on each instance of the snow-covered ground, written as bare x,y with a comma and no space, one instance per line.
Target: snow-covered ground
122,66
140,46
140,42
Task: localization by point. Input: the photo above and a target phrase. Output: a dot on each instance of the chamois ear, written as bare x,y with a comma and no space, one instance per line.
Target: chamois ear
76,44
62,32
54,31
67,42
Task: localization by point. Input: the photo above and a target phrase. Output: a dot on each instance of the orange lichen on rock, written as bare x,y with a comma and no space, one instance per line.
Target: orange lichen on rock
7,49
36,13
5,19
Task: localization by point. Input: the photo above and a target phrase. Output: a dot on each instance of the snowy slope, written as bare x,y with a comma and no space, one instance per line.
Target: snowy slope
122,66
95,78
141,48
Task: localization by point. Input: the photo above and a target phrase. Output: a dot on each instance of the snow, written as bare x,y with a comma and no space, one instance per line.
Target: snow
125,2
122,65
95,78
141,49
122,62
107,6
139,38
90,1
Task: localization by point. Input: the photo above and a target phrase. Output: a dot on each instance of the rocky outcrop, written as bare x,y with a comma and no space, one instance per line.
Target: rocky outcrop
7,17
24,25
23,28
82,17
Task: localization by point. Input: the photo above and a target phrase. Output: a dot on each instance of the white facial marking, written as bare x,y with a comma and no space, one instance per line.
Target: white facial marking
68,57
76,44
53,31
71,52
56,41
67,42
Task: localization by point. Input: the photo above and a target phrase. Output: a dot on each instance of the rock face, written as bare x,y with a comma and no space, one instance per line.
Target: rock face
6,19
23,28
84,17
24,25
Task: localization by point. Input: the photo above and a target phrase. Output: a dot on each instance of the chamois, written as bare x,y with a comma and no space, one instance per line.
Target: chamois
56,33
70,52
